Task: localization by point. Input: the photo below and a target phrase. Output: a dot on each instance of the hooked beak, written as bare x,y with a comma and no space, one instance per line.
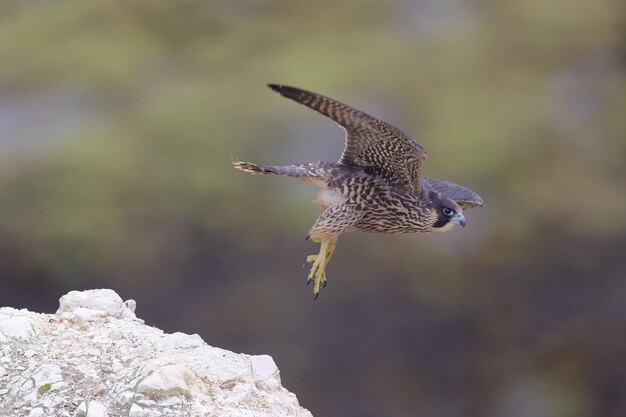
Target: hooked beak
459,219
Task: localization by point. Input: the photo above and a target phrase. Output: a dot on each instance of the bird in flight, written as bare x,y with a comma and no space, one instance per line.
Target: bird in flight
376,186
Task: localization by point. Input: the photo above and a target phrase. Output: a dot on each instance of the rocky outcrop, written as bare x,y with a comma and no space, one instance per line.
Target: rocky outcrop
94,358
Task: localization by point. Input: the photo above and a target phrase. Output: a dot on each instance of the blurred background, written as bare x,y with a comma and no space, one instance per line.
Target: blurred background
119,121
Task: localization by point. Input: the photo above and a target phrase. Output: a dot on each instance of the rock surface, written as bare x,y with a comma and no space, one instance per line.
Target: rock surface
94,358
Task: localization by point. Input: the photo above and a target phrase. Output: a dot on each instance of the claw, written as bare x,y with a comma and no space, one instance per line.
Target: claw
320,261
315,296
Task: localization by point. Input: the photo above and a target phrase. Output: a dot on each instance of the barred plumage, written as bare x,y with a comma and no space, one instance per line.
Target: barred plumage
376,186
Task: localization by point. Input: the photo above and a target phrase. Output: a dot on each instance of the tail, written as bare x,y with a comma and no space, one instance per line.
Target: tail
304,171
253,168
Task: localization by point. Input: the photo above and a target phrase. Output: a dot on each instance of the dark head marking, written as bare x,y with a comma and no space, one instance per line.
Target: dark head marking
443,207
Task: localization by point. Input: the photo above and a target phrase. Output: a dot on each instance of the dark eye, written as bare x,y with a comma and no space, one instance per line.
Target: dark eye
447,211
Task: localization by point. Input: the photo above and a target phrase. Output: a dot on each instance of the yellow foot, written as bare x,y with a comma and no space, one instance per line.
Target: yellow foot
313,258
318,269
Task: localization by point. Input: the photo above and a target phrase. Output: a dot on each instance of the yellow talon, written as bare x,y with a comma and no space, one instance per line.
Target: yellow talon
320,261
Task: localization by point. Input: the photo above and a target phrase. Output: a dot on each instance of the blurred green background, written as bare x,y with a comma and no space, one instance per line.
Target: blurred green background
119,121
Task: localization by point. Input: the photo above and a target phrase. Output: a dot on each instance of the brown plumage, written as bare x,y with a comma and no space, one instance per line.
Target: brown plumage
376,186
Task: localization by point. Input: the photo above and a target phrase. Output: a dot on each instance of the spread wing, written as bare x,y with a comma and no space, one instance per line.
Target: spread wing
370,143
463,196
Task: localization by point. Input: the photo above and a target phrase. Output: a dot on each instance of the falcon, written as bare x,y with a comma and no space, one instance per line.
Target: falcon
376,186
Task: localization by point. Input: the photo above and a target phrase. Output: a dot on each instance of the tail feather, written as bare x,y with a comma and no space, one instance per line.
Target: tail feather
301,171
253,168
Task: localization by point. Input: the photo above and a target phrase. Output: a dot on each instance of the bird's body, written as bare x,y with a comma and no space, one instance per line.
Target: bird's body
376,186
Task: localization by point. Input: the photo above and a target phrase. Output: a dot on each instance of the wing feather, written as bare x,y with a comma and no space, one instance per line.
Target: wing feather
463,196
370,143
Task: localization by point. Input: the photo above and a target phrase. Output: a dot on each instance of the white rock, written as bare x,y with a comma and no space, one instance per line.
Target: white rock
137,411
84,314
126,397
16,324
105,300
91,305
96,409
46,376
166,381
36,412
171,401
182,340
131,305
87,370
96,357
81,410
264,366
91,409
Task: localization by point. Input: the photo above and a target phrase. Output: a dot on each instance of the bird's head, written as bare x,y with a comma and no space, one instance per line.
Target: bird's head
446,213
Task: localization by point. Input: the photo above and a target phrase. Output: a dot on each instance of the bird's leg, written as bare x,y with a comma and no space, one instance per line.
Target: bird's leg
318,269
329,254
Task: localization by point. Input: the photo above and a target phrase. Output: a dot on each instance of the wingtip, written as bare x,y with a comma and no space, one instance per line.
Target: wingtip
275,87
285,90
